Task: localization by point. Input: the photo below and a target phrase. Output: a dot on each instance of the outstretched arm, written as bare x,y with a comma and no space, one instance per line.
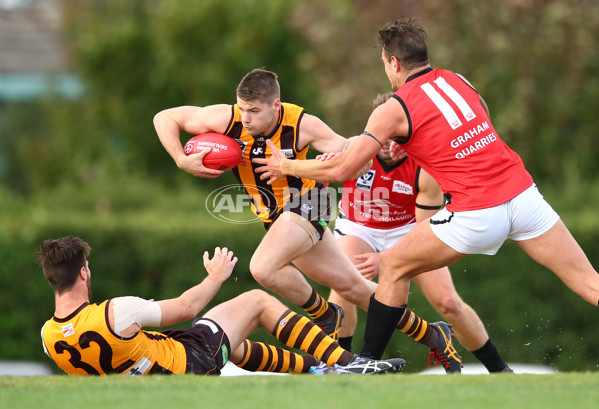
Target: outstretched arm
386,121
193,120
129,314
314,132
191,302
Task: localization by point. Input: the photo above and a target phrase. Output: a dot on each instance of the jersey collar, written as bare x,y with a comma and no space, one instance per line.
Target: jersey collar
389,168
418,74
71,315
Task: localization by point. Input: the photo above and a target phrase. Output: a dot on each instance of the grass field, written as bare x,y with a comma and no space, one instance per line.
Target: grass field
563,390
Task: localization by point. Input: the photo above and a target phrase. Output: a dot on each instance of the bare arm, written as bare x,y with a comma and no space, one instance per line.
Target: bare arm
193,120
127,315
313,131
386,121
429,195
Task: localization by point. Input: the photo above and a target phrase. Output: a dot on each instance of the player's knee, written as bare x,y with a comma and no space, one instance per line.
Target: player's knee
450,305
258,296
261,272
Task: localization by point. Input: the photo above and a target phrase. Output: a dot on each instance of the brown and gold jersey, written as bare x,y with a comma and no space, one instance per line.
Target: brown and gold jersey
268,200
84,344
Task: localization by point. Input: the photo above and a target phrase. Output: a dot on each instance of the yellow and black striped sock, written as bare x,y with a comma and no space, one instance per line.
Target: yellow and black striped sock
318,308
418,328
258,356
297,331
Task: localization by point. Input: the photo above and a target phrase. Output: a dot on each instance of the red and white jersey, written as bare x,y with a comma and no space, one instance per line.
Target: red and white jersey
452,138
384,197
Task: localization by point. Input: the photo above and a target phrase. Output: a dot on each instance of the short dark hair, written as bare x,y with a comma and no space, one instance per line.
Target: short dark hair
61,260
405,40
259,84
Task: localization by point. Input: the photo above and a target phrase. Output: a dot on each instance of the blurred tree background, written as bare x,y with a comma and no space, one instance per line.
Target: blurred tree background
94,166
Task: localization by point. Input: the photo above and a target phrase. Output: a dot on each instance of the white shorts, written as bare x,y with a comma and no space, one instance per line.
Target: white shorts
483,231
377,239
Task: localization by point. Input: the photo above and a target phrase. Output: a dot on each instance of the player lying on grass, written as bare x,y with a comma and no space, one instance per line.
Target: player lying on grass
98,339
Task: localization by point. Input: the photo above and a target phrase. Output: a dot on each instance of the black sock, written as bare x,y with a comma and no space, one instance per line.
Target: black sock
490,358
380,325
345,342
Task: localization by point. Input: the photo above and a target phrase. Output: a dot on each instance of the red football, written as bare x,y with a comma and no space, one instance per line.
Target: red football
225,152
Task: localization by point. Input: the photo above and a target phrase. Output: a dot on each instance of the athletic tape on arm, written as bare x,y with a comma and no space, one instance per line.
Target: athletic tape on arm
130,310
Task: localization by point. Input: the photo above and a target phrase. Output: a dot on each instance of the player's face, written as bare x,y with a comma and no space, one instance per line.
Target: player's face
89,280
384,153
259,117
389,70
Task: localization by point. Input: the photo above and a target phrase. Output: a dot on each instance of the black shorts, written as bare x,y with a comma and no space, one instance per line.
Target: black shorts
206,344
314,206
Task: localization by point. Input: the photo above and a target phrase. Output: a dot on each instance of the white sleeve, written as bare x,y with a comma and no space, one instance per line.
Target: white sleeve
44,342
130,310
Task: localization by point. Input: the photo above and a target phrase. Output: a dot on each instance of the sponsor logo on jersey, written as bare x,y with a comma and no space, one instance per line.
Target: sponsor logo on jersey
225,353
257,151
306,208
402,187
68,330
365,181
283,322
288,152
322,222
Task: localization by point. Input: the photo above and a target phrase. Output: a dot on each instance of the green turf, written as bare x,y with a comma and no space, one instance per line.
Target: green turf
563,390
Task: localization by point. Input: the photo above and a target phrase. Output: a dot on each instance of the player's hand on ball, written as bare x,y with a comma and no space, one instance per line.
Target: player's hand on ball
221,265
194,165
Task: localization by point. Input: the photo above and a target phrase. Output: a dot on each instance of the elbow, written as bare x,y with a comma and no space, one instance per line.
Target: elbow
158,118
188,314
187,311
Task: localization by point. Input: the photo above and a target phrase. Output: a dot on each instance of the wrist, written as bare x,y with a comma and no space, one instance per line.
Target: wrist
288,167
